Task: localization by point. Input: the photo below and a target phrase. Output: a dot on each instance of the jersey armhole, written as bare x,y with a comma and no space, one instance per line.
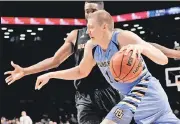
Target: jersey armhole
93,51
74,48
115,40
119,46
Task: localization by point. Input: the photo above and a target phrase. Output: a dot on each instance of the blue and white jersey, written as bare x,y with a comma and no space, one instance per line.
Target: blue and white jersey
103,58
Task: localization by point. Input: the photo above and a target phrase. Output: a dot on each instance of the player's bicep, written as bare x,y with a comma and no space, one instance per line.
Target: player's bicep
67,48
128,37
88,62
71,37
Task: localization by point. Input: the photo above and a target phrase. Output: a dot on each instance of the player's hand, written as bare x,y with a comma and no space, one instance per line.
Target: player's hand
137,50
41,81
14,75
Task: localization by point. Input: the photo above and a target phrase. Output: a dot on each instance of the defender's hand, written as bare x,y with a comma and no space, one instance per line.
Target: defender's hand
16,74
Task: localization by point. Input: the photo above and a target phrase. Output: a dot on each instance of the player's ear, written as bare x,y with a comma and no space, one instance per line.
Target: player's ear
105,26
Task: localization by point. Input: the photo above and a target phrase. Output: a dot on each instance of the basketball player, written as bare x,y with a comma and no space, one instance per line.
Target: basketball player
91,93
145,102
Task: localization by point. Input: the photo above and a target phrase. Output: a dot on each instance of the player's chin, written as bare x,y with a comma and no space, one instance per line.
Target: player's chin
93,39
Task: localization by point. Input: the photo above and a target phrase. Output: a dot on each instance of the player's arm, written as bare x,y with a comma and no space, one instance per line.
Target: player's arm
118,29
78,72
171,53
131,41
61,55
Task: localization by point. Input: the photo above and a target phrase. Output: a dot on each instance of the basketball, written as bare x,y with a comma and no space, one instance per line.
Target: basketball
124,68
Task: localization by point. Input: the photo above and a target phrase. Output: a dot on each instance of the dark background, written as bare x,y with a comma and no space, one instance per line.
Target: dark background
57,97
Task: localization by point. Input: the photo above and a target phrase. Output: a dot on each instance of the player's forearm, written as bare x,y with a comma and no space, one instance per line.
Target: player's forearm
68,74
168,52
52,62
154,54
44,65
41,66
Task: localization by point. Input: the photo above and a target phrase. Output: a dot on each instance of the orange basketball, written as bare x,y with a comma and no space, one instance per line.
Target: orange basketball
124,68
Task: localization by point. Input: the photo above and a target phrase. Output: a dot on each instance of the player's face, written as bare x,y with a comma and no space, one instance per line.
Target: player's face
95,30
90,8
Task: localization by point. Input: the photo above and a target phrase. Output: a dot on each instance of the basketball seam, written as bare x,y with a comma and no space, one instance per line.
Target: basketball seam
121,66
133,77
131,68
113,69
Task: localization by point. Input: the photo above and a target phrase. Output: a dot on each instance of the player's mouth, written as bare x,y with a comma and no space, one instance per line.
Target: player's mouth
91,37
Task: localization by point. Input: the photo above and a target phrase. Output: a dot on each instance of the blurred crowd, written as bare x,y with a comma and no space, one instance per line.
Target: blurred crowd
66,119
25,119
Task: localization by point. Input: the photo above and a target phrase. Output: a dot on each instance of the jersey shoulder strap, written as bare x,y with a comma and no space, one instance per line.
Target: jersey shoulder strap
115,39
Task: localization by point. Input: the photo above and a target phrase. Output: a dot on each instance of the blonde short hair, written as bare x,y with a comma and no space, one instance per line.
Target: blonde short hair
103,16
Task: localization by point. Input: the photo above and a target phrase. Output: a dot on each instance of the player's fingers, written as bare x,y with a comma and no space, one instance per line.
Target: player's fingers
139,54
7,72
12,63
11,82
9,78
41,85
122,49
37,83
134,53
129,48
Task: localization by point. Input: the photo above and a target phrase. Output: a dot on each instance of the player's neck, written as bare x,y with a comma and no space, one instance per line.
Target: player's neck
106,40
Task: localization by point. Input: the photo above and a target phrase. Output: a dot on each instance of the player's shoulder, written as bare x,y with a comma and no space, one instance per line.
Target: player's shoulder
71,37
84,29
90,44
125,34
128,37
122,33
118,29
74,32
